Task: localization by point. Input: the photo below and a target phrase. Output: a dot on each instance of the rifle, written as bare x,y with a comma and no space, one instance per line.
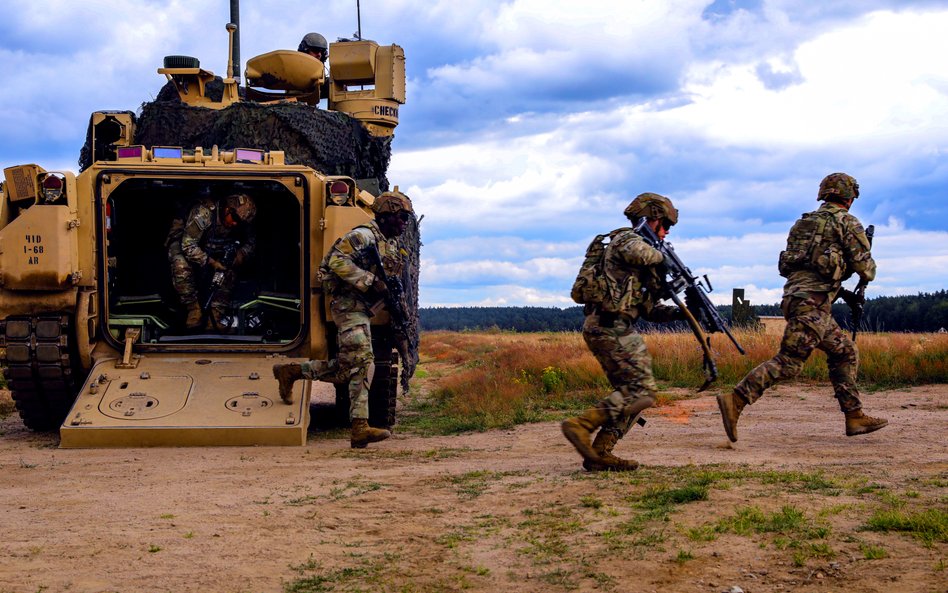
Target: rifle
856,300
217,280
396,310
697,308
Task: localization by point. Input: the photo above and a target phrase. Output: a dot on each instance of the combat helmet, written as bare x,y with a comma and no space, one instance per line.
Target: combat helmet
652,205
314,42
243,205
838,187
392,201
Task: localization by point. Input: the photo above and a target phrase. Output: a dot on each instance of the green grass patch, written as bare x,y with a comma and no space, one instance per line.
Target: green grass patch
870,552
790,529
930,525
684,556
362,571
473,484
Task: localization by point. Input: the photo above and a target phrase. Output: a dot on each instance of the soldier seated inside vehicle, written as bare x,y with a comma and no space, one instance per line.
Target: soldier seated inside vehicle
204,261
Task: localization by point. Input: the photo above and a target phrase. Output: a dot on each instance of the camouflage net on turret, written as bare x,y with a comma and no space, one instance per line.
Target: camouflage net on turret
328,141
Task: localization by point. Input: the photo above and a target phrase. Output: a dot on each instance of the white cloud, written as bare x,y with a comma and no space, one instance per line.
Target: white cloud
880,76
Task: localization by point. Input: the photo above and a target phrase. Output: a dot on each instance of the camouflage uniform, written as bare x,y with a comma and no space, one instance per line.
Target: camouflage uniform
631,264
808,296
193,240
347,280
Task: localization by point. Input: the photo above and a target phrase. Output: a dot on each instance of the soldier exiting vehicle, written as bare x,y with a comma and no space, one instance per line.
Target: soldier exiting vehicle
824,248
353,282
216,237
626,287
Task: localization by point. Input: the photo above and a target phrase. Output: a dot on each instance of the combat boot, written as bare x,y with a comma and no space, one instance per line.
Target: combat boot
603,445
731,405
287,374
578,431
859,423
194,316
363,434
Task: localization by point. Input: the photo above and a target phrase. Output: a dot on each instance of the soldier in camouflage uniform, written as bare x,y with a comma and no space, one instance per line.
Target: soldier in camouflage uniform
353,284
824,248
197,246
634,273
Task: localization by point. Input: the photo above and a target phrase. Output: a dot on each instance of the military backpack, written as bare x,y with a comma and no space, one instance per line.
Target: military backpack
592,285
812,245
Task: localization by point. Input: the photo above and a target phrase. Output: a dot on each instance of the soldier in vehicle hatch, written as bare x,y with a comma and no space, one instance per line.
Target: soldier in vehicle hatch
634,283
353,282
824,248
216,239
315,45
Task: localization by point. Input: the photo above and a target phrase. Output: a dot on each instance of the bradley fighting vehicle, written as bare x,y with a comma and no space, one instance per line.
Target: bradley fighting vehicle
92,335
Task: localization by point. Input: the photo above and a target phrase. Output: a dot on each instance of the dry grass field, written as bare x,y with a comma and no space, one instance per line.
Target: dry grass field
478,490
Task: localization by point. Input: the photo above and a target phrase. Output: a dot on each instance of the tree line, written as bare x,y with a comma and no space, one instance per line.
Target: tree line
923,312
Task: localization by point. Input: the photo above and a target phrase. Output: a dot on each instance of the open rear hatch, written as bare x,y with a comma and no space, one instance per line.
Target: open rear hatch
209,383
186,400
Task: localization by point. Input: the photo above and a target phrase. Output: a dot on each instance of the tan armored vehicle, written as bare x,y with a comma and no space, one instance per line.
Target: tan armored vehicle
92,334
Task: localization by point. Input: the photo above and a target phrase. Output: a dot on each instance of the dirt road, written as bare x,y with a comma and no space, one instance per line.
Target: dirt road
795,505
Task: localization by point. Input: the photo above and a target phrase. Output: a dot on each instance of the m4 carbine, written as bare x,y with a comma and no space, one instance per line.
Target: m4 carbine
393,302
856,299
697,307
217,280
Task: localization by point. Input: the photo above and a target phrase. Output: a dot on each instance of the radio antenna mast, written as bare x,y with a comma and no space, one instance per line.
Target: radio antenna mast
358,21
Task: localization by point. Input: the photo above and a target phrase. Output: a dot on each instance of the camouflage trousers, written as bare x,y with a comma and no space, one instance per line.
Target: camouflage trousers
623,356
355,362
185,276
809,326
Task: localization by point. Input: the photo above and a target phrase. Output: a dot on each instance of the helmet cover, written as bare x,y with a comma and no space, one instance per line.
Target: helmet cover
652,205
244,207
392,201
838,187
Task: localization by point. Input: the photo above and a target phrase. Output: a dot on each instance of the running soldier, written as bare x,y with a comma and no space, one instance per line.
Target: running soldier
354,284
216,236
632,274
824,248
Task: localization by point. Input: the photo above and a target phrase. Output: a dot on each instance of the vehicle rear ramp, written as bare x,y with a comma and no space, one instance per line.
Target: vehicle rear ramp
182,400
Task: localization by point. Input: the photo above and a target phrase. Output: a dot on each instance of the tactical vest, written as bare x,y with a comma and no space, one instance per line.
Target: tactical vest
814,245
392,260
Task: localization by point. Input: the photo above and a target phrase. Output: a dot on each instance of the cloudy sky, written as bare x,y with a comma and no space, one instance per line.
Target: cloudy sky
531,124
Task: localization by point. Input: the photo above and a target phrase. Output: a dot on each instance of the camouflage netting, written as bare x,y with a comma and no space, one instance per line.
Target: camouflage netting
330,142
411,240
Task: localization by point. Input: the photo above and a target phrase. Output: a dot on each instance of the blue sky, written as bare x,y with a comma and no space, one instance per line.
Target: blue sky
531,124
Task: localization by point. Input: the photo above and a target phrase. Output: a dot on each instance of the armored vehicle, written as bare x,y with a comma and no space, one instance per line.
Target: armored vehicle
93,336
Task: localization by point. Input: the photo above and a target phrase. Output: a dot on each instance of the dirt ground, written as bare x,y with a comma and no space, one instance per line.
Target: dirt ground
505,510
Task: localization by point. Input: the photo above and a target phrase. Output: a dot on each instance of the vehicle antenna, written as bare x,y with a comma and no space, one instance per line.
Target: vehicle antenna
358,34
235,18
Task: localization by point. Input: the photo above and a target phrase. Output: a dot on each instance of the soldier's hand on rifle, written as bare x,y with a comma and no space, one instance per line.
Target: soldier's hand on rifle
849,297
216,265
239,259
379,287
